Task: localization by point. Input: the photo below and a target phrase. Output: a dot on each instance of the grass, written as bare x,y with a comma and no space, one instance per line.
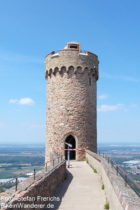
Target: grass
103,187
94,170
106,206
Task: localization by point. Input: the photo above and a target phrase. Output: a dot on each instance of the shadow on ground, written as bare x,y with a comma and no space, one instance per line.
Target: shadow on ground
60,192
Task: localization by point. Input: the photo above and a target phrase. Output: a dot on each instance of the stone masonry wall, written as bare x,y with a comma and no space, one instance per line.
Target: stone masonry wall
37,194
119,196
71,100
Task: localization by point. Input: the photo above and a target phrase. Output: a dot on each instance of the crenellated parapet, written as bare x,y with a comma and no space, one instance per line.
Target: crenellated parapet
72,70
72,60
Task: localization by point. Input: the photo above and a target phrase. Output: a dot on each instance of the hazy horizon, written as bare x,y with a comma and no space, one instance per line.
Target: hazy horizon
98,143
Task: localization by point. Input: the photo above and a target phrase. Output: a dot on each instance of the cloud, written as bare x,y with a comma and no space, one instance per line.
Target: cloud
13,101
108,108
22,101
104,96
26,101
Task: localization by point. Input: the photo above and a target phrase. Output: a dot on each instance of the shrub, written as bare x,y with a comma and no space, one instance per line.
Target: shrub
103,187
106,206
95,171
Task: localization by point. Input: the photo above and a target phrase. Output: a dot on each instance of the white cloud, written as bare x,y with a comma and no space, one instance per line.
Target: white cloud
22,101
13,101
26,101
104,96
107,108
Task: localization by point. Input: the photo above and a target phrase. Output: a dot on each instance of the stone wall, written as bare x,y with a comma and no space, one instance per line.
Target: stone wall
38,195
119,196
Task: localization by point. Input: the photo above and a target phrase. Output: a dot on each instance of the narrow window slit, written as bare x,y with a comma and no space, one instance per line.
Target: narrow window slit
90,81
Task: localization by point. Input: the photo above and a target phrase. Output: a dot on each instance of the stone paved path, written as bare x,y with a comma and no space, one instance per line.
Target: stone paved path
81,190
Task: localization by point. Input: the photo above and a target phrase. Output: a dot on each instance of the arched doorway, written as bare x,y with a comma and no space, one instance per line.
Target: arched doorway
70,140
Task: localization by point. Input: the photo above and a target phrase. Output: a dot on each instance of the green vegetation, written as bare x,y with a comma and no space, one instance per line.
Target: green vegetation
103,187
1,189
17,161
106,206
135,177
94,170
6,173
21,159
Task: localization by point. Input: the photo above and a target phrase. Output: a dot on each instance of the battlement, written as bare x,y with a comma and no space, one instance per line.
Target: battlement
72,70
53,54
73,47
71,60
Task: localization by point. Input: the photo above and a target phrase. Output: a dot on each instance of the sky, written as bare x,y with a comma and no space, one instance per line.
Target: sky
30,29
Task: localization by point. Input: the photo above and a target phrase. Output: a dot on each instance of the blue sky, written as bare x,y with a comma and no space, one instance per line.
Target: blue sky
30,29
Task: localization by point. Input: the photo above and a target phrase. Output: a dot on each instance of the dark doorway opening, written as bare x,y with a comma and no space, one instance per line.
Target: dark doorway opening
70,140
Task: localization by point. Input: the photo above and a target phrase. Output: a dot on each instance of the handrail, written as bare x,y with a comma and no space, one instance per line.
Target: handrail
120,171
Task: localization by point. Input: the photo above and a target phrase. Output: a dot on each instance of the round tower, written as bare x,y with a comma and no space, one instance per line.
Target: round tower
71,102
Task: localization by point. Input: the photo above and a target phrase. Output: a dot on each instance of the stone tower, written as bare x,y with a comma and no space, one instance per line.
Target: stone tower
71,101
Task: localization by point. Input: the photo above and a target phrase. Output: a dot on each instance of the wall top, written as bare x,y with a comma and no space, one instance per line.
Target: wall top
71,57
73,47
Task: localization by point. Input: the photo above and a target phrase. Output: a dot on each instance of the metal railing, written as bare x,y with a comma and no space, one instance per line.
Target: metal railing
36,175
128,180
